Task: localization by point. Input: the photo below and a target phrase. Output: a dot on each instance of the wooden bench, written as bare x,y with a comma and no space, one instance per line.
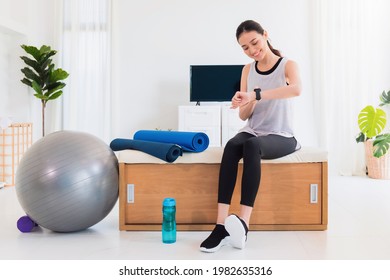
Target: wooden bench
292,195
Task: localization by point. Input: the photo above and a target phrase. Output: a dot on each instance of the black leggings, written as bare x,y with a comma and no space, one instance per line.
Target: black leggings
251,149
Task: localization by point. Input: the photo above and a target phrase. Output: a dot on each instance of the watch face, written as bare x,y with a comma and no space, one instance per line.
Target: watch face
257,91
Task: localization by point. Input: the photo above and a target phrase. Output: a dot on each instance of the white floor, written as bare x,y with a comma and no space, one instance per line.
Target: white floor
359,229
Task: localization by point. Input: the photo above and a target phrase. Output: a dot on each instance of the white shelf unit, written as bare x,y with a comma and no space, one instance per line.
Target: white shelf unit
231,123
220,123
205,119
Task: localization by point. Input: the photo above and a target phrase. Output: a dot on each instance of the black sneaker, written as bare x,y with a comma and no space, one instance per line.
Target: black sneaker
218,238
237,230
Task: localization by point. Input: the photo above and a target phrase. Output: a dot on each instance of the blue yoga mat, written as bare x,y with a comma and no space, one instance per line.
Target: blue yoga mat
164,151
188,141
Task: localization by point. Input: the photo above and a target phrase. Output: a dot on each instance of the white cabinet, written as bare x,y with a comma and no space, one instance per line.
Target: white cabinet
205,119
220,123
231,123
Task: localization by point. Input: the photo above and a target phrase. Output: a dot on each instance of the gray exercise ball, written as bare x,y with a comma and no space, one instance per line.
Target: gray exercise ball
67,181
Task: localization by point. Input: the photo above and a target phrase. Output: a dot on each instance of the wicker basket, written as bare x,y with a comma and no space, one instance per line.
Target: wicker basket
378,168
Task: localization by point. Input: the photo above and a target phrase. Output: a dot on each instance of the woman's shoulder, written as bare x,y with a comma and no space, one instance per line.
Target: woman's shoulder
248,66
246,69
289,62
291,65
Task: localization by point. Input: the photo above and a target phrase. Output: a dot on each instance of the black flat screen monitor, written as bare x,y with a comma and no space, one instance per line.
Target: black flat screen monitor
210,83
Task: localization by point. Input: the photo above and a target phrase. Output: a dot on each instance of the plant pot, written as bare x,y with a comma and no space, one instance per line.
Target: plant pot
378,168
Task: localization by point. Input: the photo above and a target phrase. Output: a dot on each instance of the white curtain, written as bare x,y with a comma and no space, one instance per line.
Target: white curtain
351,55
86,56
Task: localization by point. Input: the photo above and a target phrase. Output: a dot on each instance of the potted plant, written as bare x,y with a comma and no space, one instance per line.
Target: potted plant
372,122
41,75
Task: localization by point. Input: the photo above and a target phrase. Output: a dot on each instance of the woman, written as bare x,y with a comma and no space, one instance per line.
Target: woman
264,99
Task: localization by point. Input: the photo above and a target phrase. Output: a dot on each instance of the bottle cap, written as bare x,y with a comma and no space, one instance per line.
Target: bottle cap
169,202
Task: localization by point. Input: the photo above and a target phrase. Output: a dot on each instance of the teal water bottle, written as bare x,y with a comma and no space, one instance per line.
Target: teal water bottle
169,221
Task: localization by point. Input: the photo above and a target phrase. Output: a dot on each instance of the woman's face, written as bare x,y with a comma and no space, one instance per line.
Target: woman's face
254,44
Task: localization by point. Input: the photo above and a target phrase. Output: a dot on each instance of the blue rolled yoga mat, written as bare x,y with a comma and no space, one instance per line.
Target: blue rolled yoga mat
164,151
188,141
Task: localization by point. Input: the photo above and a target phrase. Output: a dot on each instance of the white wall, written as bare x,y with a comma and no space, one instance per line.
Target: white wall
154,42
14,102
23,22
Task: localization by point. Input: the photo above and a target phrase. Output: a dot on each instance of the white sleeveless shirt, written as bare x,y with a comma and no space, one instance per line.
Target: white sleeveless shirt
269,116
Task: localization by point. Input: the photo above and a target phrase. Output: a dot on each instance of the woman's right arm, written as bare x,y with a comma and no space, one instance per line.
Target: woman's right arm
245,111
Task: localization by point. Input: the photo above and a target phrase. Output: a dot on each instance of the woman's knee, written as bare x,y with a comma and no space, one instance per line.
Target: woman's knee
232,150
234,147
233,144
252,145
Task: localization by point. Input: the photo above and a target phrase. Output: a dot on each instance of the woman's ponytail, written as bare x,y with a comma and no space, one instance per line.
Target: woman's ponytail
277,52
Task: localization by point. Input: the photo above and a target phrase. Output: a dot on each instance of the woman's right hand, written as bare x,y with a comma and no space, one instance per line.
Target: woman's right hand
242,98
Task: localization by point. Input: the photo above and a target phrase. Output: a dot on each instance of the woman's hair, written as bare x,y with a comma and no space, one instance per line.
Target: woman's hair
251,25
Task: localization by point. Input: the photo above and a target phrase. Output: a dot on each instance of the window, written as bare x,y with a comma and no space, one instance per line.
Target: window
86,56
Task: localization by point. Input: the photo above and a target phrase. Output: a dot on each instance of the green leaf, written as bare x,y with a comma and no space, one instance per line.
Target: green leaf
50,92
30,74
46,56
41,96
46,64
44,49
27,82
371,121
55,95
58,75
381,145
37,87
385,98
47,73
32,51
52,86
360,138
34,64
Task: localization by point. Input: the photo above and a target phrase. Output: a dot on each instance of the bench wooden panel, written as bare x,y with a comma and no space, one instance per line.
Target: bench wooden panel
283,201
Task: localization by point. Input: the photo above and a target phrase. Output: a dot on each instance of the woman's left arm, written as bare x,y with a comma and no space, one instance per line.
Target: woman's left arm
293,87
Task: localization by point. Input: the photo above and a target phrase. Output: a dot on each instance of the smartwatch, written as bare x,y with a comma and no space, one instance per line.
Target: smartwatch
258,93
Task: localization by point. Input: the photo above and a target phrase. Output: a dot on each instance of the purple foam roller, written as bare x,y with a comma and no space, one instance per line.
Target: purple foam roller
25,224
